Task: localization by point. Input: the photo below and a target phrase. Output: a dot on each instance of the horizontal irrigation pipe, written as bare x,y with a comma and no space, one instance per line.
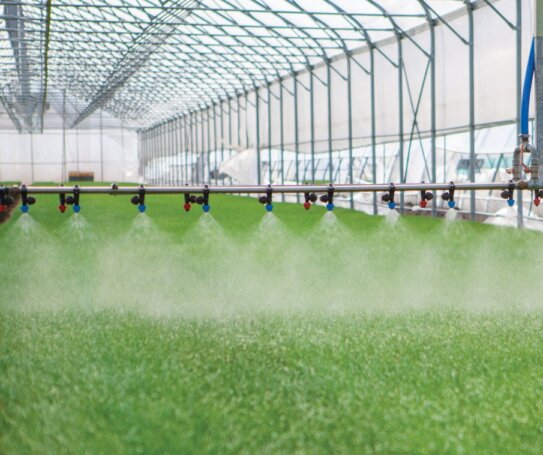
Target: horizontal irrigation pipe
70,195
256,189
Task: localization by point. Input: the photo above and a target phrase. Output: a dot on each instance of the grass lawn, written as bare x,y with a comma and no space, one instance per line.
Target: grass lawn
298,332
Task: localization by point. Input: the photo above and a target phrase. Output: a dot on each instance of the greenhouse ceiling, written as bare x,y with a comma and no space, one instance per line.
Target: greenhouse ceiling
144,61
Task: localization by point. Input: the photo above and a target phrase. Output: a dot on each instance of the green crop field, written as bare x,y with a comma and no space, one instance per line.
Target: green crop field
240,332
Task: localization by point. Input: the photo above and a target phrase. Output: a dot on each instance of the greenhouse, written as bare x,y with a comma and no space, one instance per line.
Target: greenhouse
334,245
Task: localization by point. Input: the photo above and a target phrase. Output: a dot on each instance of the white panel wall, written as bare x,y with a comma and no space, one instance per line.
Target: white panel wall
39,157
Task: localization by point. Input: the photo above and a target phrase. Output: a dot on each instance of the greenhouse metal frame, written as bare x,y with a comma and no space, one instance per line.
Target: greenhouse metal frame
327,82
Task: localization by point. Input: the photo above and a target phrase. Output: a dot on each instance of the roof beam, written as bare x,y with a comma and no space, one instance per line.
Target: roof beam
143,46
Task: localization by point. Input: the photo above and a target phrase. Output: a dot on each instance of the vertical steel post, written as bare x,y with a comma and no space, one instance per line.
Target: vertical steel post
373,127
269,137
350,123
239,121
257,145
520,206
208,175
472,156
538,82
203,145
282,134
433,110
312,121
101,150
296,132
400,120
215,145
221,107
329,100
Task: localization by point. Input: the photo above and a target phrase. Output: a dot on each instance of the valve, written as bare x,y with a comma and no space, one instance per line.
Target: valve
267,200
310,199
449,196
139,200
26,199
538,194
425,196
508,194
389,197
5,199
328,198
62,200
74,200
187,205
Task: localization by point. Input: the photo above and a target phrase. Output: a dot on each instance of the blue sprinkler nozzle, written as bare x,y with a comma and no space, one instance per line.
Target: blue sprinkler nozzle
269,207
452,204
391,205
24,208
510,202
329,207
77,208
206,208
142,208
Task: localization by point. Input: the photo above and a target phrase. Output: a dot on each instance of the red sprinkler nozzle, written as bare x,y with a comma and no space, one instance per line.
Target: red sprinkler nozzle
537,201
62,208
187,206
307,205
423,204
2,208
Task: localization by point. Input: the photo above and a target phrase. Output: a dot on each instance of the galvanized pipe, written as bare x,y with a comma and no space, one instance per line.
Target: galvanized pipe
255,189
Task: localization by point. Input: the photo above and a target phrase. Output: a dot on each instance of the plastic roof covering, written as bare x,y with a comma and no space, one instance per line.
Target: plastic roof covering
147,60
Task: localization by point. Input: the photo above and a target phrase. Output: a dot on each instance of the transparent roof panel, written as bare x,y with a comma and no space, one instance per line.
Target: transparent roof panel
144,61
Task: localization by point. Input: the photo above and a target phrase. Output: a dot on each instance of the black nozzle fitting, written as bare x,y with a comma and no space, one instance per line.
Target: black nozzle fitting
139,200
26,200
328,198
425,196
389,197
508,194
449,195
74,200
5,198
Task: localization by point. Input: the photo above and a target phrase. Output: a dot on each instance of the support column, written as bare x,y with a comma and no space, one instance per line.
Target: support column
538,85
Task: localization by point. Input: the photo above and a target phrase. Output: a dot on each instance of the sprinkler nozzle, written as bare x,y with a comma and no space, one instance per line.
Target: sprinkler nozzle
205,200
448,196
74,200
310,198
62,208
267,200
26,199
538,194
187,205
328,198
509,192
425,196
140,199
389,197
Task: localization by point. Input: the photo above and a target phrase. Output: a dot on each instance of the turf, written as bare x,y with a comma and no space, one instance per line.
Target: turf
294,334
